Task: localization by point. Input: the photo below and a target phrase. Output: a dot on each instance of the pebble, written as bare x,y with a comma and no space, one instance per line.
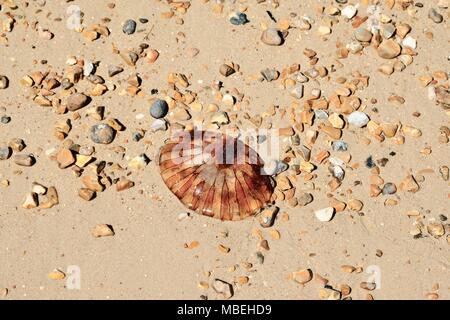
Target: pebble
297,91
302,276
4,82
239,18
86,194
65,158
389,188
267,216
56,275
31,201
139,162
5,152
129,27
24,160
3,292
329,294
339,145
435,16
304,199
370,286
325,214
102,230
437,230
5,119
358,119
387,30
409,42
355,205
220,118
272,37
270,74
389,49
363,35
77,101
223,287
114,70
102,133
38,188
226,70
159,125
349,11
159,109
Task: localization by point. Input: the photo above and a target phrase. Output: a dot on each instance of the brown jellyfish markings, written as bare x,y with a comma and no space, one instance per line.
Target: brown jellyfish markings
196,169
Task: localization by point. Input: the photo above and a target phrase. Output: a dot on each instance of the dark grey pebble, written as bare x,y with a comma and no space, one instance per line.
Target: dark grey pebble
159,109
370,163
239,18
129,27
5,119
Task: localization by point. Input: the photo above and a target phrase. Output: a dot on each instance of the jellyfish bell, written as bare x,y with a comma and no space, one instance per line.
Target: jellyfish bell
215,174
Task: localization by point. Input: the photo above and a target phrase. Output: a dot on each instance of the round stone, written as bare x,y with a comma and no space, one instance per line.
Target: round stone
389,49
159,109
102,133
389,188
129,27
272,37
363,35
5,119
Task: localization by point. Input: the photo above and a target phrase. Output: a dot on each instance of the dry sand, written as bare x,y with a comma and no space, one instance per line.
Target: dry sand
147,257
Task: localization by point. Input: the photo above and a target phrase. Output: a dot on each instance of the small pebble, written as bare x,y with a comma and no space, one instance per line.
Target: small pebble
129,27
325,214
358,119
102,133
5,152
435,16
5,119
389,49
239,18
159,109
339,145
102,230
272,37
370,163
77,101
24,160
3,82
304,198
389,188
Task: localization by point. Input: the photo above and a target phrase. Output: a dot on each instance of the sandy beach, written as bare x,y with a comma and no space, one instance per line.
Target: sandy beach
357,91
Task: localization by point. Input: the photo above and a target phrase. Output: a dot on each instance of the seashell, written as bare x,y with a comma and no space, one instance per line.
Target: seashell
215,175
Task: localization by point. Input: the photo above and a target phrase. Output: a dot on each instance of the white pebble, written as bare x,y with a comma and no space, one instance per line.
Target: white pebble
349,11
325,214
409,42
358,119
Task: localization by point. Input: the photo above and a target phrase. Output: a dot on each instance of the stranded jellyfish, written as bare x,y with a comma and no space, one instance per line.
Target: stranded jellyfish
215,174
